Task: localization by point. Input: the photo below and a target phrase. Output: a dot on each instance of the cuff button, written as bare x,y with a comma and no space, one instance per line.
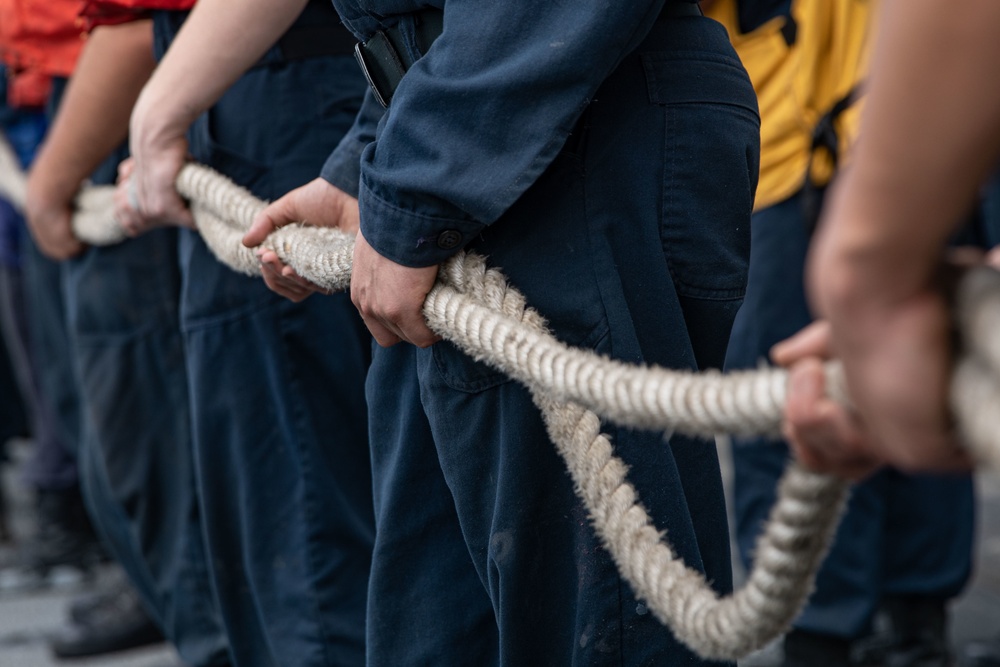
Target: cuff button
449,239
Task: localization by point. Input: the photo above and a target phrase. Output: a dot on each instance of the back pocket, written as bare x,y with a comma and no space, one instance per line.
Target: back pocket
712,155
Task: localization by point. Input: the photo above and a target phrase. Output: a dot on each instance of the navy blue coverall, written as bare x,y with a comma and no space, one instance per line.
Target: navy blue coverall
277,388
135,456
606,161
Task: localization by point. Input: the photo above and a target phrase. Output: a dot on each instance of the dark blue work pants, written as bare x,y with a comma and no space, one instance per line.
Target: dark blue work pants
902,534
14,421
136,455
136,459
633,243
13,416
277,389
51,376
52,467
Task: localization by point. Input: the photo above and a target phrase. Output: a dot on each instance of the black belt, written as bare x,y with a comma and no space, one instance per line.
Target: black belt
384,58
316,33
316,41
679,9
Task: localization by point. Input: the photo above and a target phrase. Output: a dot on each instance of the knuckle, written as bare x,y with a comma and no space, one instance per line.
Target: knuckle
393,312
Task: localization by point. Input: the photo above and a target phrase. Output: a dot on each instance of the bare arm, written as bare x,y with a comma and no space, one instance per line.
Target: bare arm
930,136
220,40
92,121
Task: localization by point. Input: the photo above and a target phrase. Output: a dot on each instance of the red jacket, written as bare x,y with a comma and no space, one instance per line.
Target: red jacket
39,39
110,12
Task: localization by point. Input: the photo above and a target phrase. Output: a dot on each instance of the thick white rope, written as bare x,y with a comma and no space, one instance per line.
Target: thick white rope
92,220
13,183
475,308
465,307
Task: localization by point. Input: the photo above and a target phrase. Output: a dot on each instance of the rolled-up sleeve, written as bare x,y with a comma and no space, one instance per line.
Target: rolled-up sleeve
476,120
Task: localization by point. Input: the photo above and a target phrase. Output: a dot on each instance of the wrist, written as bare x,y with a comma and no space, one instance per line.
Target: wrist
48,189
872,304
861,261
157,123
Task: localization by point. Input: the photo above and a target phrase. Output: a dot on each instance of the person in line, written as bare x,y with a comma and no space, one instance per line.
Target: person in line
904,546
277,388
124,334
35,46
606,160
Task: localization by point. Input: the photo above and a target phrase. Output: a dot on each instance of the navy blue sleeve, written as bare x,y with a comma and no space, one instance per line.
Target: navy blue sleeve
343,168
478,119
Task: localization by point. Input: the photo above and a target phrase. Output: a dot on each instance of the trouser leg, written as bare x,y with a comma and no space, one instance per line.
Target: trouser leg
52,465
555,594
277,396
422,571
138,465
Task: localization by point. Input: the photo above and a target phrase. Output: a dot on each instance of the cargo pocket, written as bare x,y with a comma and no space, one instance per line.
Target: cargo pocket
711,120
463,373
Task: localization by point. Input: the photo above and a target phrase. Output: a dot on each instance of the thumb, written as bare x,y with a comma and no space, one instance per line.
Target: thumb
813,341
125,169
275,216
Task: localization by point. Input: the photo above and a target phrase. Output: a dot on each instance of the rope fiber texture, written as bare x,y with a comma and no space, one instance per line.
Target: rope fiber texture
474,307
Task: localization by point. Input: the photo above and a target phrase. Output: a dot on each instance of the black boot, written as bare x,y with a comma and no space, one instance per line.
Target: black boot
984,653
63,548
811,649
915,634
106,623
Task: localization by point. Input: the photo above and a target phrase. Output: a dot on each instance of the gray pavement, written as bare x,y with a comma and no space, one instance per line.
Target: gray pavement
976,615
27,619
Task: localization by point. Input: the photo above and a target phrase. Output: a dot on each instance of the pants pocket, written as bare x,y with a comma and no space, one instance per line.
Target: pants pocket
710,117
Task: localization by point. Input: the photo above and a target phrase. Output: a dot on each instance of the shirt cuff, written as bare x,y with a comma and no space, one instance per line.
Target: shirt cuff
411,237
343,168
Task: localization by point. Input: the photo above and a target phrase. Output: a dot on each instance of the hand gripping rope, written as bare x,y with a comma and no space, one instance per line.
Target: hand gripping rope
474,307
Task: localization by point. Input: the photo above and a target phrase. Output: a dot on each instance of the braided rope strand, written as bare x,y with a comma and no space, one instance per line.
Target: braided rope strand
475,308
789,551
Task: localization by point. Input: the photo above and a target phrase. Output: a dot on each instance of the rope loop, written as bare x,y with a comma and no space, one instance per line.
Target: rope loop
473,306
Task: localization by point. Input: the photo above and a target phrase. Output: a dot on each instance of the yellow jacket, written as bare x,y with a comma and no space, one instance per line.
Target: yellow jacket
798,80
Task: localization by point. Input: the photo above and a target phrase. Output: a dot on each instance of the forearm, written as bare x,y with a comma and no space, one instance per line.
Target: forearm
94,112
220,40
441,163
930,136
